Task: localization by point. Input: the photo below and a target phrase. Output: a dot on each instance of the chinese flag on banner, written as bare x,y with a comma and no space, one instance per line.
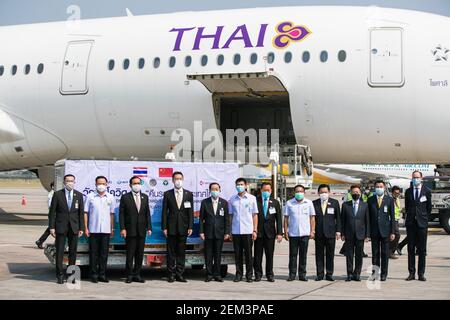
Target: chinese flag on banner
165,172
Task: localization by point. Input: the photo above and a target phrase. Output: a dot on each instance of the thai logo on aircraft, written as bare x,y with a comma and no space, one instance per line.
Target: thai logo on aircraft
287,32
440,53
221,37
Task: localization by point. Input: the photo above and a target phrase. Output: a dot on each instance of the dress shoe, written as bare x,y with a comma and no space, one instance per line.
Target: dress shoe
208,279
257,279
383,278
393,256
103,279
129,280
399,251
357,278
39,245
422,278
59,280
410,277
138,279
270,279
249,280
171,279
180,279
329,278
237,278
94,280
319,278
302,278
349,278
218,279
290,278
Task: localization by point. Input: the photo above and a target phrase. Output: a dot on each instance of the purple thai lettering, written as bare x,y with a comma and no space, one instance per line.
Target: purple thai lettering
215,36
261,37
244,36
179,39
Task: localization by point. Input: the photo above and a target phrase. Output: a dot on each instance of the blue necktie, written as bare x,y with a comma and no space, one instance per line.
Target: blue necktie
265,207
69,200
417,194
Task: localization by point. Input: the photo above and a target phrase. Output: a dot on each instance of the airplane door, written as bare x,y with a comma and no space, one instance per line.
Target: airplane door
75,68
386,57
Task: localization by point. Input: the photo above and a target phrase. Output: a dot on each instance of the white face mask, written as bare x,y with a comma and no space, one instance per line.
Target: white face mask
101,188
178,184
69,186
136,187
324,196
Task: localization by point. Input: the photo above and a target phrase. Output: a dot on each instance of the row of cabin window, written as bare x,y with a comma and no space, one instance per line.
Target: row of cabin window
306,57
26,69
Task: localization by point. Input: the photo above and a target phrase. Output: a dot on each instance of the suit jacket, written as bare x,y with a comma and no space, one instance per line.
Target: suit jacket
355,226
61,217
417,210
215,225
134,222
382,220
177,221
327,224
271,226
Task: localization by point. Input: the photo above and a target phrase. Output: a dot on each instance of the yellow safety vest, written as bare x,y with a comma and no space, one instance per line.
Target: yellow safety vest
398,209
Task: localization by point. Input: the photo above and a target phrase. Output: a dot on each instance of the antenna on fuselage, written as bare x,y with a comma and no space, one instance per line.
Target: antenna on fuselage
129,13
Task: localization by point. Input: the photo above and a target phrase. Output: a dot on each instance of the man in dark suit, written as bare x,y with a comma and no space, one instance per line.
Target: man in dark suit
328,229
418,209
269,227
355,230
177,223
66,221
214,229
135,224
382,227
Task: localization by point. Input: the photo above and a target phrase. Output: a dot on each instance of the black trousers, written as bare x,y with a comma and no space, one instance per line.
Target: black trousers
354,251
213,256
380,253
242,244
298,246
60,241
267,246
325,248
44,235
176,255
98,254
393,244
135,255
403,243
417,238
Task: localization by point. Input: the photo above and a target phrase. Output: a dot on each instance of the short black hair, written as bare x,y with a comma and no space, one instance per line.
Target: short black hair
101,177
379,181
214,183
355,186
299,186
266,184
134,177
66,176
323,186
177,172
395,188
417,171
240,180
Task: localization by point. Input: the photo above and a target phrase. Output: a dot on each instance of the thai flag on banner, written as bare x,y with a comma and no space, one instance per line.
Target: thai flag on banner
165,172
140,171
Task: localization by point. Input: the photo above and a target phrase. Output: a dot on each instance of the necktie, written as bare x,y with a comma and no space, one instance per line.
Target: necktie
324,207
215,205
265,207
417,194
138,201
179,199
69,200
379,202
354,209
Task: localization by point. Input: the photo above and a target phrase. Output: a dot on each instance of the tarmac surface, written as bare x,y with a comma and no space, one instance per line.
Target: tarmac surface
25,272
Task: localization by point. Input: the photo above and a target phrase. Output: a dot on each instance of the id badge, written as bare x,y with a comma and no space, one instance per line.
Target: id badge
221,212
272,210
187,204
330,210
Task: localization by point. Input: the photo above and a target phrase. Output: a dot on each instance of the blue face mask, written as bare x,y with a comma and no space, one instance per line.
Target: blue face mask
240,189
215,194
379,191
299,196
265,194
416,182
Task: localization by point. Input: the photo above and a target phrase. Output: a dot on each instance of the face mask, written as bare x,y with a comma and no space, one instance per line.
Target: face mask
265,194
240,189
379,191
299,196
101,188
367,191
324,196
215,194
355,196
136,187
69,186
416,182
178,184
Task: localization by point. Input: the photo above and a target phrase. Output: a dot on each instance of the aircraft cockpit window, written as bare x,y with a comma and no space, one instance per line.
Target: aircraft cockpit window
253,58
188,61
111,64
288,57
172,62
324,56
270,57
40,68
156,63
126,64
237,59
342,55
141,63
306,56
204,60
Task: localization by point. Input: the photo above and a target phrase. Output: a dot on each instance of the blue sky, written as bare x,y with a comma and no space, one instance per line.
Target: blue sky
31,11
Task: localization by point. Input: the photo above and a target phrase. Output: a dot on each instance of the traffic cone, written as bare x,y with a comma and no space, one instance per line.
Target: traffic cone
24,201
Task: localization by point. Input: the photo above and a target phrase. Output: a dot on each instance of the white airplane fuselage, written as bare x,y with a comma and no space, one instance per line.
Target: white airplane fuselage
342,110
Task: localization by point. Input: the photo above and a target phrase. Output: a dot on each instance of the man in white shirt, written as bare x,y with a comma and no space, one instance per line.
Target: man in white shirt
243,209
299,227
